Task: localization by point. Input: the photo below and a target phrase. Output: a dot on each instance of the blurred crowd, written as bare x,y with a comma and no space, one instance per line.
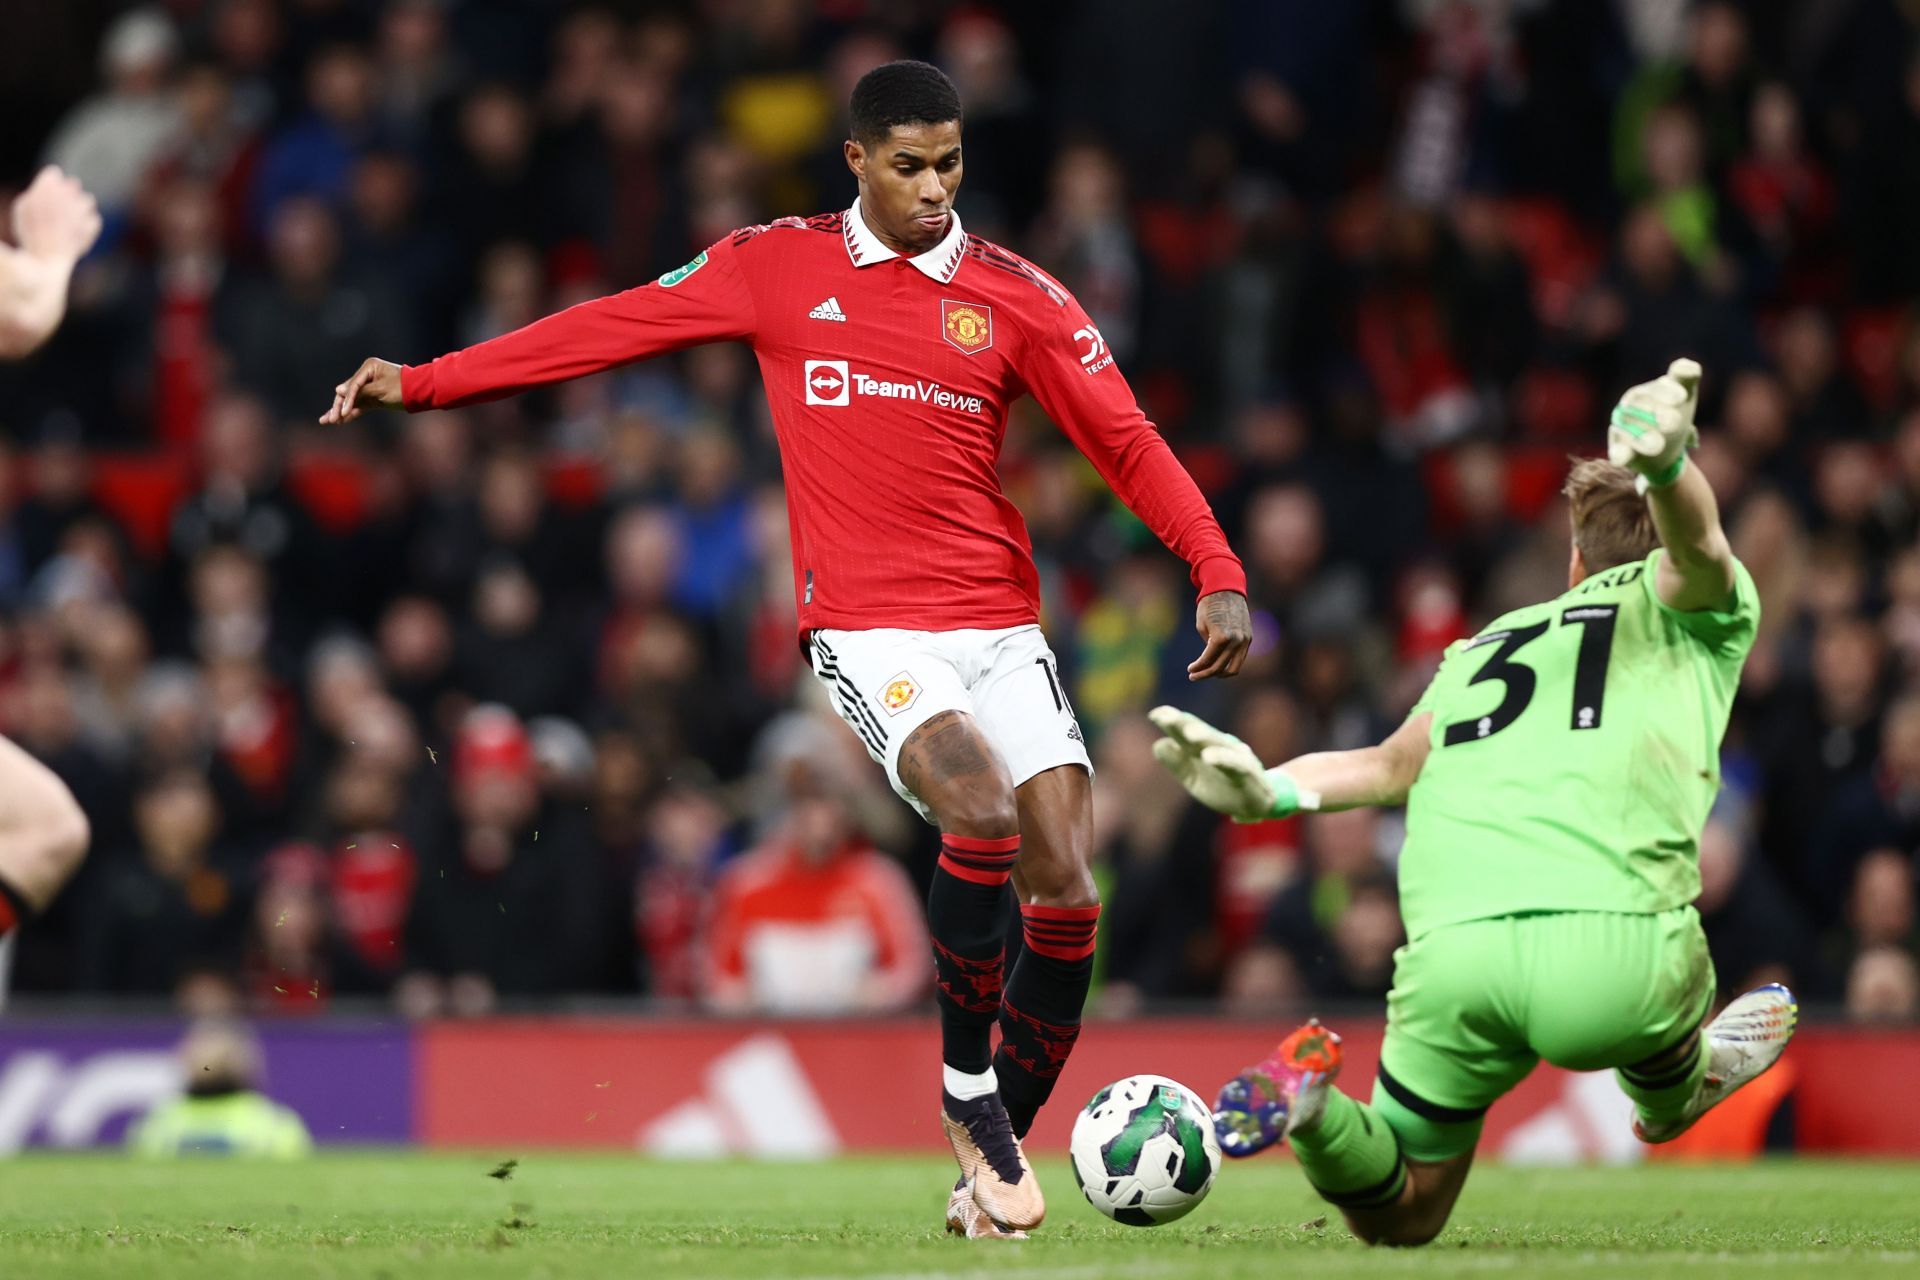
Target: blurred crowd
504,704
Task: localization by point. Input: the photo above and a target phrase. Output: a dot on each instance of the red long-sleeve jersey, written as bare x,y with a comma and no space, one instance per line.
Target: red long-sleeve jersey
889,380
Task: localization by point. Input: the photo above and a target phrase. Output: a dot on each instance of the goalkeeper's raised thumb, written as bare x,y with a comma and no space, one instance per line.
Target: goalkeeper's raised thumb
1686,371
1651,428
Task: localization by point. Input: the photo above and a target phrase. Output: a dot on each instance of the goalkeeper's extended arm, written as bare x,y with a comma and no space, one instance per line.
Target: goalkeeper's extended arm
1366,776
1697,571
1223,773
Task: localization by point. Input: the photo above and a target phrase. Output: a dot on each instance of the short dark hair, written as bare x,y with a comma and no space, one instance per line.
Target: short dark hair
904,92
1611,523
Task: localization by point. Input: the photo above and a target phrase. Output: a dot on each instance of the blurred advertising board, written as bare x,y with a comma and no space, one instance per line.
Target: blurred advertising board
80,1083
799,1090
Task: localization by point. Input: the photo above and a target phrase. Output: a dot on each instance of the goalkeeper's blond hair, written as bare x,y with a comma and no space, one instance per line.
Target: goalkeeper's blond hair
1611,523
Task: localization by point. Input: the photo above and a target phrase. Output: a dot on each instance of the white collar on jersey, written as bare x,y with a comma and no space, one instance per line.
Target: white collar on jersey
938,263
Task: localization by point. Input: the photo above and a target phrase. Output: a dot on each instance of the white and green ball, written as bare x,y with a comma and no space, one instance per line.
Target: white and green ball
1143,1151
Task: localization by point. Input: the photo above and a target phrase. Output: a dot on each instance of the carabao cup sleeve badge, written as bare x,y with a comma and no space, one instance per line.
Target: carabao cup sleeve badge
678,274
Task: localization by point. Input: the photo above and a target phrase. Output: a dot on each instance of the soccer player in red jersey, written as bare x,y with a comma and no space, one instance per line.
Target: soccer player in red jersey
891,344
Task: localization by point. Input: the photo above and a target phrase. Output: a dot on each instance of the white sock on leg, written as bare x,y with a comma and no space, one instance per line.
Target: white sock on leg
966,1085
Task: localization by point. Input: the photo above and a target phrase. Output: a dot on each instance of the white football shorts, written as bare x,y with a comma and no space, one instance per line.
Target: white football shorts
886,683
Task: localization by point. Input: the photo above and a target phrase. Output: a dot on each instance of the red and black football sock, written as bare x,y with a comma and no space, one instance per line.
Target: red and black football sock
1040,1014
966,916
14,910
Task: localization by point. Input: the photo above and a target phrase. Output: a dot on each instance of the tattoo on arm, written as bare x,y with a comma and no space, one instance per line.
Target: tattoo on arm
1222,608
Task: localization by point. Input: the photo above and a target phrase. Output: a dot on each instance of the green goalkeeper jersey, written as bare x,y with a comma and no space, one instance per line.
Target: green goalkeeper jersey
1575,753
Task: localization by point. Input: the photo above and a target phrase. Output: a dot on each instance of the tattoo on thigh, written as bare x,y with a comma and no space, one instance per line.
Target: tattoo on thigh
944,748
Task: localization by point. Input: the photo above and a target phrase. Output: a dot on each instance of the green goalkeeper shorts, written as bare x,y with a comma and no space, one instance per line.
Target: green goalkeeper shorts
1475,1005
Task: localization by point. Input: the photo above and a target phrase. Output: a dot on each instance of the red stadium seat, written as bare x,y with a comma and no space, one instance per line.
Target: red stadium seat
141,491
1872,340
574,481
332,487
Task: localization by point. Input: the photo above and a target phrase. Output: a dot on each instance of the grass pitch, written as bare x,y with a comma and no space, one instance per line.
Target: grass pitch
402,1215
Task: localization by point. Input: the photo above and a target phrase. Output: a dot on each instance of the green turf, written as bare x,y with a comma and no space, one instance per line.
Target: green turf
404,1215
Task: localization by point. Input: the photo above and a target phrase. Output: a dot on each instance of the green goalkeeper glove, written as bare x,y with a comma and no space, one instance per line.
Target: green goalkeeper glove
1652,426
1221,772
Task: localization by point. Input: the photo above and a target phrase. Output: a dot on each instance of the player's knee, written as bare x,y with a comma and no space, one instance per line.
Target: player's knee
1423,1224
1414,1220
1404,1232
951,768
983,812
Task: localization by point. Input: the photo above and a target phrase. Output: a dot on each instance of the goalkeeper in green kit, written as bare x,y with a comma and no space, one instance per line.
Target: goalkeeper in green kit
1556,774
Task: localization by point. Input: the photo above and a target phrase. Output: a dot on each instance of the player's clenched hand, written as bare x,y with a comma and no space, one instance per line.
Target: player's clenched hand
1221,772
1652,426
1223,622
55,220
375,384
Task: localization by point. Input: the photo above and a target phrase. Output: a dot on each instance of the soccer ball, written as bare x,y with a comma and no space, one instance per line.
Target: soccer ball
1143,1151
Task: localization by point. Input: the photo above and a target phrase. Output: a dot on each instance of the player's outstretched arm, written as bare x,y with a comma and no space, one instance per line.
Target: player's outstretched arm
1651,431
707,300
55,222
1223,773
1067,366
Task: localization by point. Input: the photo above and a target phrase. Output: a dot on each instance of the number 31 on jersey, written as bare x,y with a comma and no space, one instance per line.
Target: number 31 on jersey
1521,681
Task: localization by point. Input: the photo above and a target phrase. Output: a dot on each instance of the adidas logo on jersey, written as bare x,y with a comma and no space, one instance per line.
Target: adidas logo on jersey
828,310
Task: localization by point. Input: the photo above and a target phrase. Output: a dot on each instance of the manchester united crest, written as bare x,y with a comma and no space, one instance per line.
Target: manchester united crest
967,325
901,692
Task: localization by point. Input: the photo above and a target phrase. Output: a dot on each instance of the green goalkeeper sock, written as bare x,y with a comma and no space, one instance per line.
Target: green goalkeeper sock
1351,1156
1663,1088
